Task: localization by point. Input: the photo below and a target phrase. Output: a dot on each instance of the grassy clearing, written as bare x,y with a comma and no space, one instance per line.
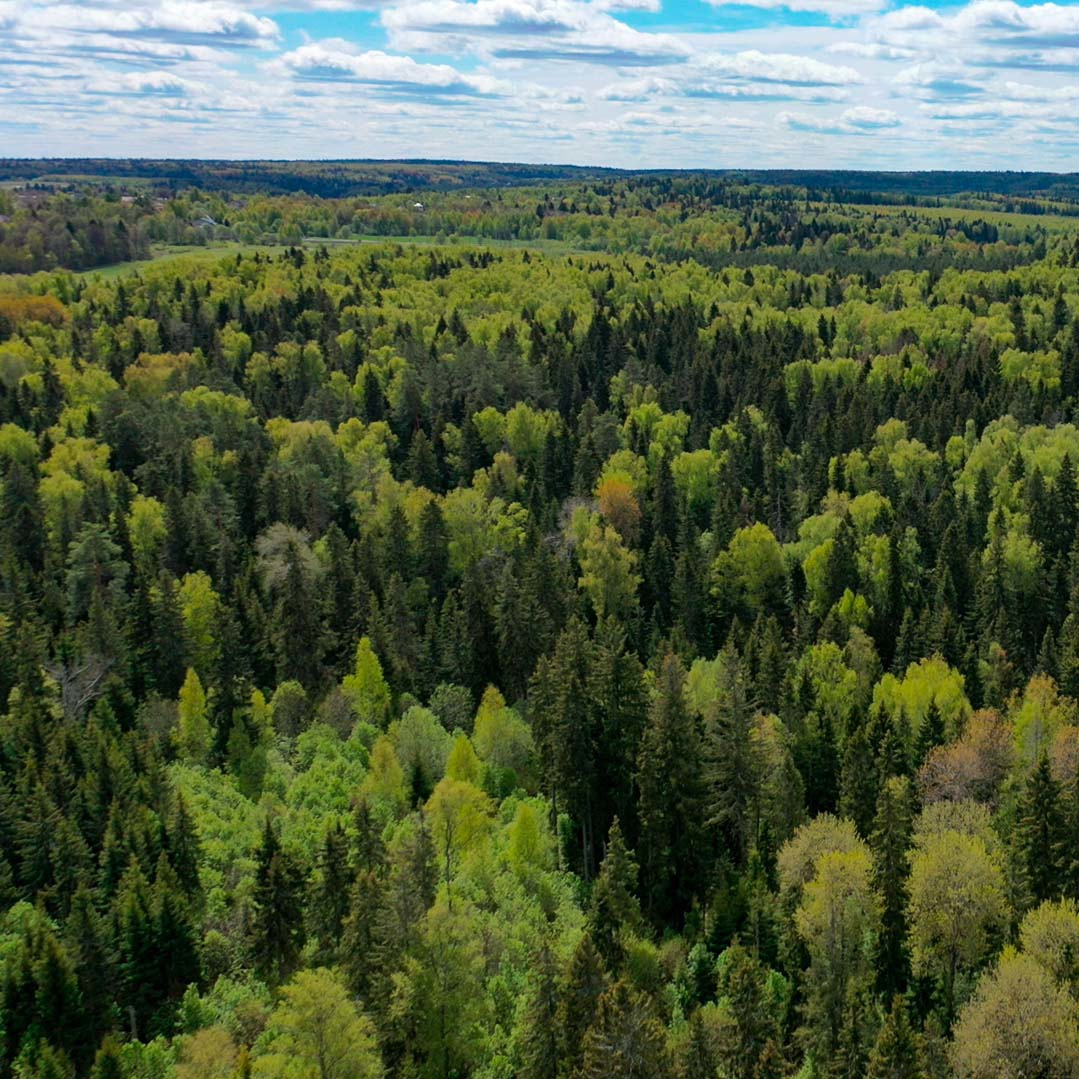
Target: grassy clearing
212,252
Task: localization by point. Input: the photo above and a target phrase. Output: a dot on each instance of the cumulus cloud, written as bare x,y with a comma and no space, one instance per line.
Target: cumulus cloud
190,23
869,119
336,61
938,81
527,30
836,9
871,50
755,66
874,82
994,32
157,83
750,75
861,119
638,89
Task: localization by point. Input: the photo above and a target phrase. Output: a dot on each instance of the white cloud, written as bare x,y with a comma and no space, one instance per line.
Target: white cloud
867,118
862,119
871,50
874,84
191,22
756,66
336,61
162,83
638,89
527,29
836,9
936,81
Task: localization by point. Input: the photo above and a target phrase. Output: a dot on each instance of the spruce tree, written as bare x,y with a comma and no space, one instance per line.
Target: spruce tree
330,891
540,1040
890,840
626,1039
672,801
859,781
276,926
930,733
1039,834
752,1023
732,769
895,1054
586,981
614,907
361,937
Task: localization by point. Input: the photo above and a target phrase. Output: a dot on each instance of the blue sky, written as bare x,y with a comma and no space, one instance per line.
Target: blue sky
649,83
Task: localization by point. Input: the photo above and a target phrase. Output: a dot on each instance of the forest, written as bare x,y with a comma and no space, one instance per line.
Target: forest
607,627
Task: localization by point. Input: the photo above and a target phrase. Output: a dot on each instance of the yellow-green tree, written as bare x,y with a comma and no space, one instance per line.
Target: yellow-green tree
317,1032
193,734
608,573
1019,1024
957,901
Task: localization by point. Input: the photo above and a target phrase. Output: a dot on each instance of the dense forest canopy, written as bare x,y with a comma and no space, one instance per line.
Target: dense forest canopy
330,178
609,627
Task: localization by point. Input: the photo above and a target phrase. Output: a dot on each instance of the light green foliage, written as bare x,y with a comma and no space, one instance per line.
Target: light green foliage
193,734
462,763
200,606
317,1032
501,738
528,845
927,681
1041,369
527,430
957,900
841,370
17,444
839,909
1019,1023
367,686
146,524
422,745
798,857
320,783
834,685
477,525
229,827
751,570
1039,716
607,572
441,991
695,474
1049,934
1041,447
460,817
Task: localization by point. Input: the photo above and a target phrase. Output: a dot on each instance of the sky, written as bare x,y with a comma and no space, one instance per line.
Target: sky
989,84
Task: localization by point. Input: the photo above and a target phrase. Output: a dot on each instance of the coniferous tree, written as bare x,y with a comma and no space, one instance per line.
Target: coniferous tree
732,774
1038,833
586,982
564,727
330,899
614,907
276,928
859,782
889,840
895,1054
298,635
671,798
742,984
361,938
540,1039
625,1038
